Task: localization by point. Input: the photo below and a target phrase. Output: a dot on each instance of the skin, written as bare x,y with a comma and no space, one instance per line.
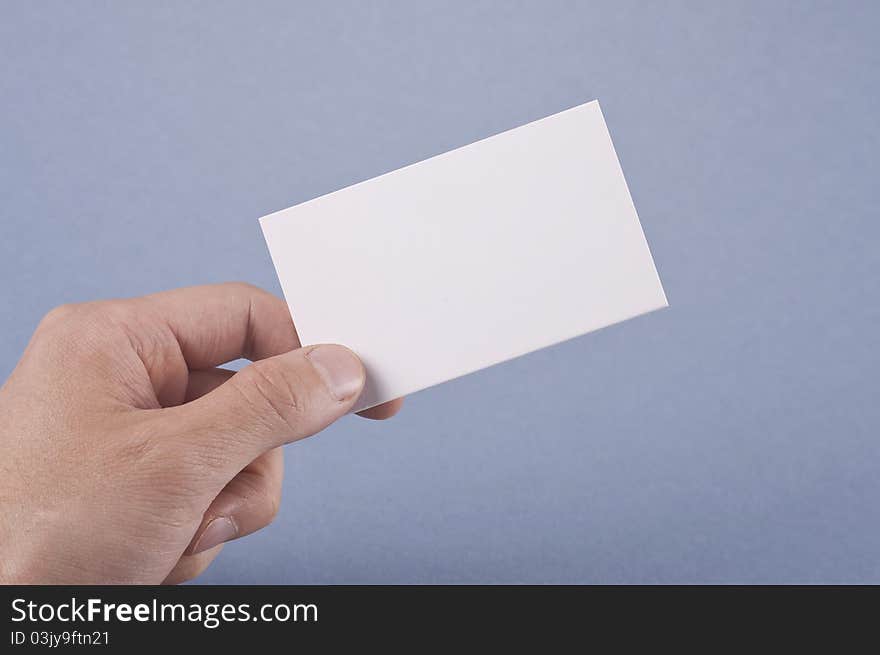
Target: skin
129,457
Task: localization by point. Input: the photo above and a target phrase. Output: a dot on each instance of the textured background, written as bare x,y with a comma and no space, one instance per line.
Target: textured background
734,437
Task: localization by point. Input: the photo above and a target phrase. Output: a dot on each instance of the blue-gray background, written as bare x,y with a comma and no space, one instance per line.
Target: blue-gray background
734,437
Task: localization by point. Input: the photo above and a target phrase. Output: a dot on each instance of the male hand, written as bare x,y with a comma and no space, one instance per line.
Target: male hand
129,457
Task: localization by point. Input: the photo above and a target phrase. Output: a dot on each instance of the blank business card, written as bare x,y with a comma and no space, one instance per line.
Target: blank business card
469,258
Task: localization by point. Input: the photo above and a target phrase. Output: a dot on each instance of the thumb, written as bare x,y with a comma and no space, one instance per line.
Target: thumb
269,403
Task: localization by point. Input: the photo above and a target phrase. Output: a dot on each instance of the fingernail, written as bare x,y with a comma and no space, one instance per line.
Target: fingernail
340,370
218,531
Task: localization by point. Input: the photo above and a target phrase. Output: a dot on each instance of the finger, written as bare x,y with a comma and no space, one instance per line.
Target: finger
381,412
218,323
265,405
202,382
189,567
248,503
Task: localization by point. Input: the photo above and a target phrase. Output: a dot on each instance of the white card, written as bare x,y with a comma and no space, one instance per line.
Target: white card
470,258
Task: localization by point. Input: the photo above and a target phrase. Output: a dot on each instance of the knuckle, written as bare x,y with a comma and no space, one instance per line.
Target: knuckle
270,386
80,330
62,316
265,505
72,317
251,292
117,311
261,495
239,285
62,334
246,289
273,505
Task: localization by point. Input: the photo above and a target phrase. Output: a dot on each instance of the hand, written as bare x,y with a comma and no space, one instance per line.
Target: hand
127,457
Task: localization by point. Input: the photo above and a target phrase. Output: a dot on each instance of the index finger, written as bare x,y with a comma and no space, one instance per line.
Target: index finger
217,323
